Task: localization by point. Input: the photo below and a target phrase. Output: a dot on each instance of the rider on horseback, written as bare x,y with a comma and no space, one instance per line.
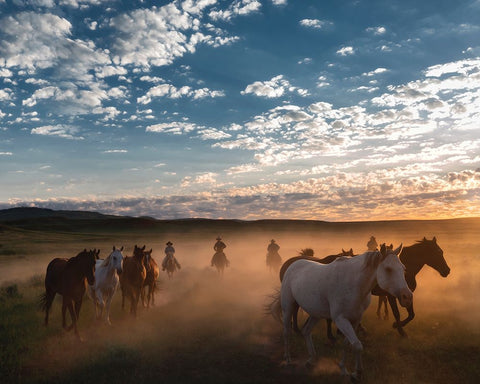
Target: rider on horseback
219,247
169,254
273,258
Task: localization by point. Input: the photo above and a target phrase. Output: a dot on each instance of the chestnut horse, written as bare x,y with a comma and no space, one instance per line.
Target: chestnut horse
68,277
150,279
133,278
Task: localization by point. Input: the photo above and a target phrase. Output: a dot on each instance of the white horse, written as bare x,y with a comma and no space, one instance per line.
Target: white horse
340,291
106,283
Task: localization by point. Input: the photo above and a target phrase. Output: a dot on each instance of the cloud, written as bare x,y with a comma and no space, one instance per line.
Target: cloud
377,30
346,51
236,8
276,87
172,92
176,128
63,131
315,23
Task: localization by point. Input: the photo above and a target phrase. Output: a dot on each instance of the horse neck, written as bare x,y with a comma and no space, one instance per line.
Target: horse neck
411,257
363,277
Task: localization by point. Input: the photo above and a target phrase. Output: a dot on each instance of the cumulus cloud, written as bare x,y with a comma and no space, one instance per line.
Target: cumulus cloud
63,131
237,8
172,92
346,51
276,87
315,23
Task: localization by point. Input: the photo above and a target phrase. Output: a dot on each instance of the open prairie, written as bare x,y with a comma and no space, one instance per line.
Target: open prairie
212,329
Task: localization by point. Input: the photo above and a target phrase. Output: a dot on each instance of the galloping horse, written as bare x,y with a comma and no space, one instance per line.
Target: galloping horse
68,277
171,265
325,291
414,257
150,279
220,261
106,283
133,278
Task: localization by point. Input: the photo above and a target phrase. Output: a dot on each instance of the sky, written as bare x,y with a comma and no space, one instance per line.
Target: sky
247,109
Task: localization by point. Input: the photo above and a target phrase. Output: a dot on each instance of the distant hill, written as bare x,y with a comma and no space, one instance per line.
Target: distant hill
25,213
43,219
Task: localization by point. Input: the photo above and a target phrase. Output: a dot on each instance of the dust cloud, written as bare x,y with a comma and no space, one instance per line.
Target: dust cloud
199,308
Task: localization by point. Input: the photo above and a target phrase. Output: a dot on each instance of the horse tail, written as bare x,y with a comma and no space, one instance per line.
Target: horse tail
274,307
42,302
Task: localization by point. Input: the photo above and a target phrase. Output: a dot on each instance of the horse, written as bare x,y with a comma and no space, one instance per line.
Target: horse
220,261
68,277
340,291
106,283
171,265
414,257
273,260
307,254
150,279
133,278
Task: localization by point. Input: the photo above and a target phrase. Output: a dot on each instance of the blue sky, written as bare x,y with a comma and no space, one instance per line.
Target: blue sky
248,109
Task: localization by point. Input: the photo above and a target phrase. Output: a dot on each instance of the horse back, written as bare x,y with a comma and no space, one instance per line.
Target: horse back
53,276
134,272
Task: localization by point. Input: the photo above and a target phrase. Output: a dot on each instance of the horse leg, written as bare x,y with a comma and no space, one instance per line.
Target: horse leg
396,313
295,309
108,301
411,315
385,316
49,296
379,306
307,334
287,330
350,338
330,336
78,306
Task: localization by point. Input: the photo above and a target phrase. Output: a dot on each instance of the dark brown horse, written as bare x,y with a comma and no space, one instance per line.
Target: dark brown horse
133,278
220,261
69,277
151,277
414,257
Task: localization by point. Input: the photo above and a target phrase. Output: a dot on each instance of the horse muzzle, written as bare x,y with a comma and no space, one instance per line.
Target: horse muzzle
119,271
405,298
445,272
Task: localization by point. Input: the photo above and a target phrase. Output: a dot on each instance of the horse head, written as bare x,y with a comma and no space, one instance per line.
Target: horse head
391,275
148,256
116,258
90,258
433,255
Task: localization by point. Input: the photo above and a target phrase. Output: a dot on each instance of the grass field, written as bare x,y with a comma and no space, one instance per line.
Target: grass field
207,329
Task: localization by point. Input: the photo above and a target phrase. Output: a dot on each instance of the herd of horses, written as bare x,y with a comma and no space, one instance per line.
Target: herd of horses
337,288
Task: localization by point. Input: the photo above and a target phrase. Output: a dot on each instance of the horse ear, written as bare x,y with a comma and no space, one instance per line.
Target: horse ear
113,249
151,249
434,239
343,251
424,238
143,248
121,249
399,249
351,251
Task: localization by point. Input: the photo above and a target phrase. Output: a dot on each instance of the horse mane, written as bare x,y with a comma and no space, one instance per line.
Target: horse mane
373,258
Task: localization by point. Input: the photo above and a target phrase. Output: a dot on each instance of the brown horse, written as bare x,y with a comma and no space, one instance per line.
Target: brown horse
150,279
414,257
69,277
133,278
220,261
